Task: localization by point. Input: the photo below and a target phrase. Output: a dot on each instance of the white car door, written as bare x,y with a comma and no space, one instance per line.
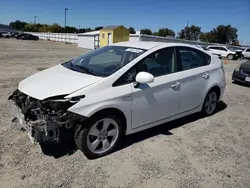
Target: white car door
160,99
223,51
194,77
214,50
247,53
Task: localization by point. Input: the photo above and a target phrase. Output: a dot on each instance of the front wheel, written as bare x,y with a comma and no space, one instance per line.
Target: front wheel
100,136
230,56
210,103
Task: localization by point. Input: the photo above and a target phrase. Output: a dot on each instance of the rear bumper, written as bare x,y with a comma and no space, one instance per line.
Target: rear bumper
240,77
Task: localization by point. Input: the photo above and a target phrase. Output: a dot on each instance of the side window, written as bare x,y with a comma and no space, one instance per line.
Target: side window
159,63
213,48
248,50
223,49
191,58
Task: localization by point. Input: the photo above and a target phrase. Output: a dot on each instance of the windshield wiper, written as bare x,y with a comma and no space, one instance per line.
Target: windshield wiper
87,70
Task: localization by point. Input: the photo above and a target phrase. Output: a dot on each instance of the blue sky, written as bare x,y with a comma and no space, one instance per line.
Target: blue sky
136,13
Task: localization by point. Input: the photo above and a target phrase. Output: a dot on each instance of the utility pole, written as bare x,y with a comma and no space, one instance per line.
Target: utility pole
34,19
65,18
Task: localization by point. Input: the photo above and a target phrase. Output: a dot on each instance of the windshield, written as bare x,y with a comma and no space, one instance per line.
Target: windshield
104,61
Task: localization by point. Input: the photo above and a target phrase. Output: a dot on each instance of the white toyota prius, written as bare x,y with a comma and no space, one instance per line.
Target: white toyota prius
117,90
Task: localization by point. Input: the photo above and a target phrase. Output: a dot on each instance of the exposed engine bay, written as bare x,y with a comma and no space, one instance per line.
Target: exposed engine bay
44,120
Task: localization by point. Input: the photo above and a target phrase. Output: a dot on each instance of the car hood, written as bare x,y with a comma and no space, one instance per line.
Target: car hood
245,65
54,81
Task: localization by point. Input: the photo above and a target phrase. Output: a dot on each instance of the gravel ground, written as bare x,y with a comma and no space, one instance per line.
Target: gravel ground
191,152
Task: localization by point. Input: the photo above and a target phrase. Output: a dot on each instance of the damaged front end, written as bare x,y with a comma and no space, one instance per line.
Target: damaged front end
44,120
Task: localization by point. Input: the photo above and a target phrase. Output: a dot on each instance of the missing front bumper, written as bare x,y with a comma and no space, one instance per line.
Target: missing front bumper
39,130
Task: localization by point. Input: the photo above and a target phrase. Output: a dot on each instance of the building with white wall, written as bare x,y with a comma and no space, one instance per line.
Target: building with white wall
89,40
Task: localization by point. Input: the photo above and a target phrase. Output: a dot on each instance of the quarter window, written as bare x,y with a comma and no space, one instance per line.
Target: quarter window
191,58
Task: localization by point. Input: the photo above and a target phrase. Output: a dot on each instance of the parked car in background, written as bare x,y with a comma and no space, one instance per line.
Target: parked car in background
246,53
14,34
118,89
5,34
18,36
30,37
242,73
225,51
27,36
207,50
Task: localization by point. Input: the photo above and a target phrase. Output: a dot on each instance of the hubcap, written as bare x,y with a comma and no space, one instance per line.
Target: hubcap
211,102
102,135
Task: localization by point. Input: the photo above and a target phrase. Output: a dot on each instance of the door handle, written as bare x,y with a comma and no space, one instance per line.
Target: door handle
175,85
205,76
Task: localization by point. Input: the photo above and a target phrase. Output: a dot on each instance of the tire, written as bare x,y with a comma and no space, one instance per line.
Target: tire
205,111
95,135
230,56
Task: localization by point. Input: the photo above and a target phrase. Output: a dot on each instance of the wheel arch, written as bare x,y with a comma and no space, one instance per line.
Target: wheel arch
215,88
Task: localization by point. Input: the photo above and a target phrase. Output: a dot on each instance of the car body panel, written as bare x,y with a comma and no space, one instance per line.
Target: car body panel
55,81
157,100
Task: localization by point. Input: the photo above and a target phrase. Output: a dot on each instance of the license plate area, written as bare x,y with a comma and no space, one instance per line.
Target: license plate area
247,79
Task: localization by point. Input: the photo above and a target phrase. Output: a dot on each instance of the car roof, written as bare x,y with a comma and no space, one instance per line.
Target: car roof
146,45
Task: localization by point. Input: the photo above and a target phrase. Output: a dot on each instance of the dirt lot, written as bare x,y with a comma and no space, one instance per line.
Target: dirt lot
191,152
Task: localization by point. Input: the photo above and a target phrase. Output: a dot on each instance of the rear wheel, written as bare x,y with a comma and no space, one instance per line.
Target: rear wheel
100,136
230,56
210,103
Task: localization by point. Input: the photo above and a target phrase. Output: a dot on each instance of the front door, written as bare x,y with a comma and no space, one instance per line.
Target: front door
110,38
160,99
194,77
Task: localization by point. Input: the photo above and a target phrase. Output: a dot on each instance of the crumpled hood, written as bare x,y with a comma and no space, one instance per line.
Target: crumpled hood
55,81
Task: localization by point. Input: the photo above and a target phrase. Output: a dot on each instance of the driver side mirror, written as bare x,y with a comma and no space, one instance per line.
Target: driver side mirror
144,77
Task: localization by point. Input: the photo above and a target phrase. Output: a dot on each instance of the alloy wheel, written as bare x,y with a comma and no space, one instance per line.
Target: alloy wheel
102,135
210,103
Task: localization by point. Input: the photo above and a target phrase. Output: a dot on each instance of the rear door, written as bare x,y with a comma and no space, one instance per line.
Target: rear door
194,69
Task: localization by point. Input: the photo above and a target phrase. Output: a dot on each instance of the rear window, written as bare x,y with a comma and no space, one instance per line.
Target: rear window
192,58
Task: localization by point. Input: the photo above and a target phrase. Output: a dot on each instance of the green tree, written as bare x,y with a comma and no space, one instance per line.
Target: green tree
31,27
132,30
81,30
98,28
19,25
163,32
190,33
146,31
55,28
88,29
221,34
69,29
226,34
